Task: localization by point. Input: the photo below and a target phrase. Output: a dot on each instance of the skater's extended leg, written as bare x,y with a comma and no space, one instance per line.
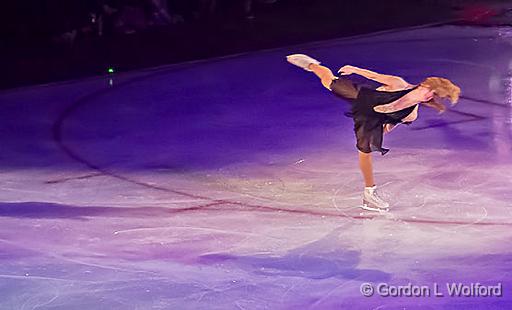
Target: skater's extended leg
341,87
365,164
324,73
302,61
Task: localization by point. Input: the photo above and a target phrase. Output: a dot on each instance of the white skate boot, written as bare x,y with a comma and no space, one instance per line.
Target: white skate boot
372,201
301,60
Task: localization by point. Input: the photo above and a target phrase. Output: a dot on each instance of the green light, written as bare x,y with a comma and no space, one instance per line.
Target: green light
110,70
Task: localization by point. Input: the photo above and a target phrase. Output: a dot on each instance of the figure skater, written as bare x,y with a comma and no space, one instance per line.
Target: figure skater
378,111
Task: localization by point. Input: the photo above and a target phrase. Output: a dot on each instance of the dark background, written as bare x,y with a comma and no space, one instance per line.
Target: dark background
52,40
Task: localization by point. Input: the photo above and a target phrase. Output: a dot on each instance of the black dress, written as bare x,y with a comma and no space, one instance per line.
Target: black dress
368,124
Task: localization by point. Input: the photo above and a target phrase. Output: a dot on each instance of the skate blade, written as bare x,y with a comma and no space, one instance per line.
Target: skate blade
368,208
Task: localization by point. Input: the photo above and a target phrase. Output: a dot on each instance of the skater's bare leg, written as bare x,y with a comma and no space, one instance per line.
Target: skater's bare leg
371,199
324,73
365,164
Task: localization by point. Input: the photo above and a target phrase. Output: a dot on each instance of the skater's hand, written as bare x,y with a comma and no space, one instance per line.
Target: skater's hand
384,109
347,70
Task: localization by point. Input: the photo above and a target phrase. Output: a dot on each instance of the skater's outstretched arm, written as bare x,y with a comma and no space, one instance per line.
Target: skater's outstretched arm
416,96
392,82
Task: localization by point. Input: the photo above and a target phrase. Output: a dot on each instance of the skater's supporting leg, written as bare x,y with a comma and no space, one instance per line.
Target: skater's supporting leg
324,73
365,164
371,199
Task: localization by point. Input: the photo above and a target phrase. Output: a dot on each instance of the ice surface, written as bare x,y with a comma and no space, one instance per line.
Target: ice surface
233,184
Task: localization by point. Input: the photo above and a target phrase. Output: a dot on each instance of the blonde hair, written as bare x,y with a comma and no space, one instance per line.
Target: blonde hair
443,88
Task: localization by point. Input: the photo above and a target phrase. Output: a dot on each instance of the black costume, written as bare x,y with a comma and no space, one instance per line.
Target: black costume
368,124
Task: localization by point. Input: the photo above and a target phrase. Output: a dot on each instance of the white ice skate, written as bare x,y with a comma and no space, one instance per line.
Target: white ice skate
301,60
372,201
